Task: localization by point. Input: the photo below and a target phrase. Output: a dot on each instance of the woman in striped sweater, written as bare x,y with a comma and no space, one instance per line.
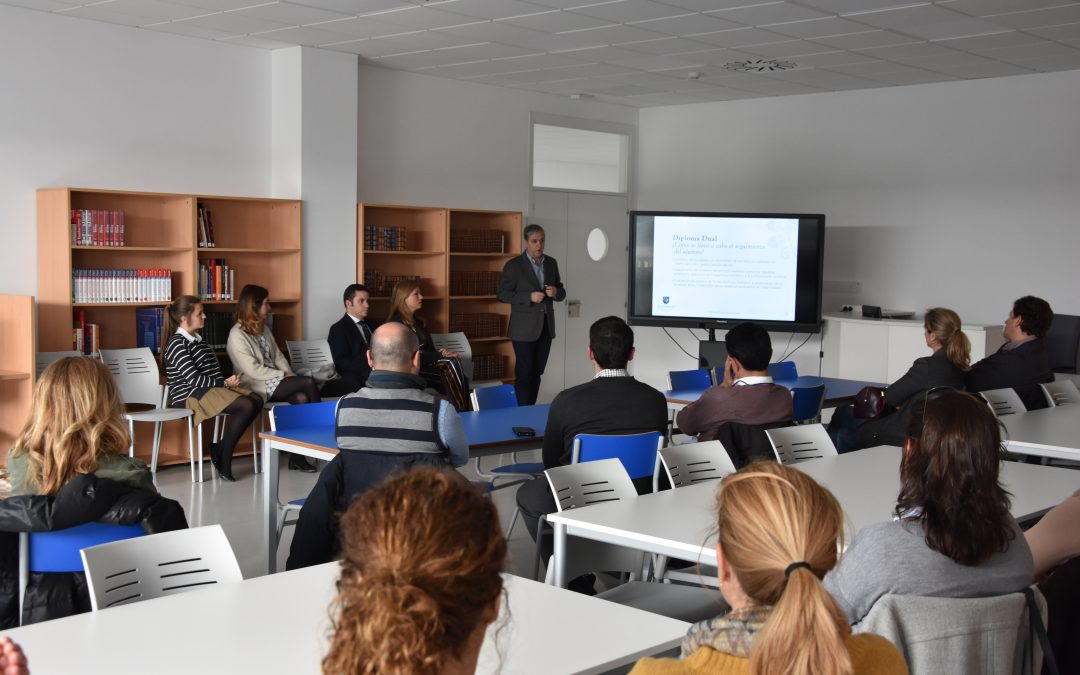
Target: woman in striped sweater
196,382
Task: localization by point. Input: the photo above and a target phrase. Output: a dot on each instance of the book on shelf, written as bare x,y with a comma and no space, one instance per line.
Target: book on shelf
148,325
217,281
474,283
97,227
477,241
488,367
86,337
378,238
215,331
119,285
382,285
206,227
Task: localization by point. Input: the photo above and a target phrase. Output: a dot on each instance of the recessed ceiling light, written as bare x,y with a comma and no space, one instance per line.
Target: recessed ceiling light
759,65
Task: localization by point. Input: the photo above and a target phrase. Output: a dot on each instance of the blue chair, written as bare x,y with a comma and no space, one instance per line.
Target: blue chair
806,404
698,378
785,370
487,398
300,416
639,453
59,550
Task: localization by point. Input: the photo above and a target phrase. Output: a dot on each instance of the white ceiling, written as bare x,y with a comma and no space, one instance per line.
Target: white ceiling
640,52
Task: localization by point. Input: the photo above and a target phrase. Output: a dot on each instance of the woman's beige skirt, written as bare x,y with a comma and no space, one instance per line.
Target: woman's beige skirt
213,402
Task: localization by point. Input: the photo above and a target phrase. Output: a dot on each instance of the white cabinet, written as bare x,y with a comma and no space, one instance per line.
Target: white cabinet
882,350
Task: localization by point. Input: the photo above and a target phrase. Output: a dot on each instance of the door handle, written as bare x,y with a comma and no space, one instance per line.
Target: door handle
573,309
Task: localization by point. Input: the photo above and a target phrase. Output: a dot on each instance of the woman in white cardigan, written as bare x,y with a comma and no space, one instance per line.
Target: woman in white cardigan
260,364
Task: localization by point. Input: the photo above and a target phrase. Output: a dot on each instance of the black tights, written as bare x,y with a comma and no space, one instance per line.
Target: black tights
241,413
297,389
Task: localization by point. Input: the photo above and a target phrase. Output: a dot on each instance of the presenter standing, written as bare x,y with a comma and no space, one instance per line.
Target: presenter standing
530,284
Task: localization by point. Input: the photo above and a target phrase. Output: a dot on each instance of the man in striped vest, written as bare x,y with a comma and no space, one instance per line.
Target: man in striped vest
390,425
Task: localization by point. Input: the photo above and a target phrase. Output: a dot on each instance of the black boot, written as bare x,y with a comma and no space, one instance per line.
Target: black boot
300,463
217,460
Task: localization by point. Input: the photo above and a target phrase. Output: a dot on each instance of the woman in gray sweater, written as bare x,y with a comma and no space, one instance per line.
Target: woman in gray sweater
953,535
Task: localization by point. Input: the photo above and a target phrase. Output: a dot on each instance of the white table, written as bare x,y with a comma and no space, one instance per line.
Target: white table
1050,432
279,624
681,523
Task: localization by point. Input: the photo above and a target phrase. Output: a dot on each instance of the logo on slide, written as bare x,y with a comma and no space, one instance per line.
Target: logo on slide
667,299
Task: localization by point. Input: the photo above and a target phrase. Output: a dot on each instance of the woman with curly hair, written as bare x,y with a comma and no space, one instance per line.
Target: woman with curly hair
420,578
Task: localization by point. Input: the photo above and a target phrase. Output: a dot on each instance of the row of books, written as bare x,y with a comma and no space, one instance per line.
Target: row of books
382,285
113,285
86,337
474,283
149,322
379,238
217,281
477,241
478,325
206,227
96,227
488,367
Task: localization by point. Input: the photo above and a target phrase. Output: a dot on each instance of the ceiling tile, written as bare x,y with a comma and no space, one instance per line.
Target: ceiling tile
1040,17
644,62
983,70
603,54
787,49
869,68
913,50
1035,51
834,59
422,17
1050,63
42,5
535,61
816,28
234,23
563,4
351,7
707,5
500,31
218,5
854,6
286,12
1069,31
774,12
556,21
363,26
688,24
610,35
190,30
913,76
876,38
470,70
257,41
550,75
305,35
491,50
667,98
597,70
824,79
776,87
416,60
163,11
929,22
492,9
424,39
990,7
624,11
980,43
662,81
367,47
105,14
670,45
740,37
946,61
625,90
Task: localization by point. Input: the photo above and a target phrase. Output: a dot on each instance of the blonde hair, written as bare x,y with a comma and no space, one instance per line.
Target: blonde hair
423,553
945,325
247,309
771,516
398,307
75,421
177,310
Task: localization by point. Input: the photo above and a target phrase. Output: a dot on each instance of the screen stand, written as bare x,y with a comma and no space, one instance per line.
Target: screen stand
711,354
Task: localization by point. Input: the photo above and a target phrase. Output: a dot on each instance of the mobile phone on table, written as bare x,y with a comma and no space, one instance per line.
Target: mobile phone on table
524,431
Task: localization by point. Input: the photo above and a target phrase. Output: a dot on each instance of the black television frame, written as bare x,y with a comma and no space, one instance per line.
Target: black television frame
711,324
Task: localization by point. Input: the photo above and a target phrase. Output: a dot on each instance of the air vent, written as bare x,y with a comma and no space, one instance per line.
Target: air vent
759,66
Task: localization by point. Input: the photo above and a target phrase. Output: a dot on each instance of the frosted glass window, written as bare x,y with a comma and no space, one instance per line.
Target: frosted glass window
579,159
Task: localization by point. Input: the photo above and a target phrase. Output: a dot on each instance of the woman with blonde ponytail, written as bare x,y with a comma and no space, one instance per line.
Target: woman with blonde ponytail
778,536
950,358
420,578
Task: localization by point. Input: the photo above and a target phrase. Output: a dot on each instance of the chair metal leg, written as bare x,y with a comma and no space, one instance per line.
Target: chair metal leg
217,429
255,444
24,569
513,521
157,447
131,435
191,446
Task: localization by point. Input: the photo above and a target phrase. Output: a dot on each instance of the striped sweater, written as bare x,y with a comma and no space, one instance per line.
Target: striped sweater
191,368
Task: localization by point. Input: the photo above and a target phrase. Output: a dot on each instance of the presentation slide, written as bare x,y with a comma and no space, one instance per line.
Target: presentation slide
739,268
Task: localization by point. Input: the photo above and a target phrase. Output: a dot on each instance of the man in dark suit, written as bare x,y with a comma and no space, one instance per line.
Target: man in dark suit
1021,363
530,284
350,339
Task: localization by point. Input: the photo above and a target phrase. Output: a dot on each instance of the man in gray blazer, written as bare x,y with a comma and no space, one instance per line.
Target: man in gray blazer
530,284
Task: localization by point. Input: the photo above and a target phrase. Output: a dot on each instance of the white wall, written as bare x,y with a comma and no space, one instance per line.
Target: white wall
958,194
440,142
88,104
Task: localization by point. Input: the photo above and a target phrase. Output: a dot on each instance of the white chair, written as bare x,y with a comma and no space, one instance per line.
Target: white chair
139,381
603,480
309,354
800,443
1061,392
44,359
459,344
1003,401
123,572
696,462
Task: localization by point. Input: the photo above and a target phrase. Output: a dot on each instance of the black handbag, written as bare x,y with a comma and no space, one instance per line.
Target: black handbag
870,403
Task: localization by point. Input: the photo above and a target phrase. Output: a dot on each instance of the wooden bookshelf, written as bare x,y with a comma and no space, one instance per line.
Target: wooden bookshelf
261,239
428,253
17,335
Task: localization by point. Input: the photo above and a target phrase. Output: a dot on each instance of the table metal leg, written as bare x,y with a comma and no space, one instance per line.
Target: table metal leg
560,555
270,491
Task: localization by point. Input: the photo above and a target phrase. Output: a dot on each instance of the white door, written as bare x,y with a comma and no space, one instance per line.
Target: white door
594,289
